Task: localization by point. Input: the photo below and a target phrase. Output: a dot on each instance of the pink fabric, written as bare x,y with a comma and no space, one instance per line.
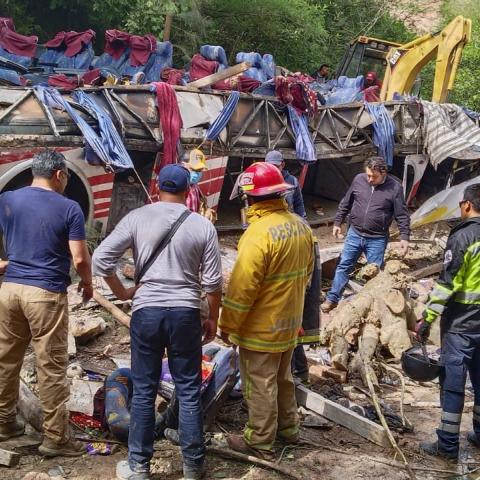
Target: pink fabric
73,41
201,67
57,40
194,198
116,42
18,44
173,76
371,94
292,91
7,22
170,120
241,83
142,48
64,82
91,76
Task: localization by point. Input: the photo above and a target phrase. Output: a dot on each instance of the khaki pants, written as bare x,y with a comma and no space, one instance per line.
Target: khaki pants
269,391
32,314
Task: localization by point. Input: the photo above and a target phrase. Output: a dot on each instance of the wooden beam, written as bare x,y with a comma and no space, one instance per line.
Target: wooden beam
341,415
9,459
29,406
222,75
427,271
117,314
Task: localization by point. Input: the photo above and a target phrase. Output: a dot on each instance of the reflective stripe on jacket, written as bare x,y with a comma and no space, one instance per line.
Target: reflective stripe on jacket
263,308
456,294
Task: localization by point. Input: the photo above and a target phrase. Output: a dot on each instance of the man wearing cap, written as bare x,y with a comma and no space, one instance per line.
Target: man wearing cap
165,314
262,310
294,196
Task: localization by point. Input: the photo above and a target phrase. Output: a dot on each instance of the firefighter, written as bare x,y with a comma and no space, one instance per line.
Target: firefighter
456,298
263,307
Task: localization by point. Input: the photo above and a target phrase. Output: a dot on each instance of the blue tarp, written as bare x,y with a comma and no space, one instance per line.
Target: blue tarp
383,131
304,145
107,146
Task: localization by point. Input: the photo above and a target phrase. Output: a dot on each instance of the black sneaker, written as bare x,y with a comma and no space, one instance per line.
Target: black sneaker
473,439
432,448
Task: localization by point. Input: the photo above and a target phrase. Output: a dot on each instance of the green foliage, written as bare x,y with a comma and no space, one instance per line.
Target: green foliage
467,84
348,19
294,30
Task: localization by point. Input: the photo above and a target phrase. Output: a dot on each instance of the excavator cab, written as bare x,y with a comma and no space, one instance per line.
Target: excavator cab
399,65
365,54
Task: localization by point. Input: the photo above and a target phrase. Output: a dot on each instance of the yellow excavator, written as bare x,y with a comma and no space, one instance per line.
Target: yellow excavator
399,65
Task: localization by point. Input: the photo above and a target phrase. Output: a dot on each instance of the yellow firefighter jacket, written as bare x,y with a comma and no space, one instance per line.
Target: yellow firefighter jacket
263,308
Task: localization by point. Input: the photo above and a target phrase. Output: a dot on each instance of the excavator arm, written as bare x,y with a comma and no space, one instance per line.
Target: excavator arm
405,62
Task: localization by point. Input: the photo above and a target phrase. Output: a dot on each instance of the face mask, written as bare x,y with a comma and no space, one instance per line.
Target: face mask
195,177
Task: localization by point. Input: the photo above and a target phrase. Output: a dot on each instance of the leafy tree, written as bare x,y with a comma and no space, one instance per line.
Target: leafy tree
467,84
293,31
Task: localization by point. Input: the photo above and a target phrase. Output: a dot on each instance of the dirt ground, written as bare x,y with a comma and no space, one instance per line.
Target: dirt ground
353,457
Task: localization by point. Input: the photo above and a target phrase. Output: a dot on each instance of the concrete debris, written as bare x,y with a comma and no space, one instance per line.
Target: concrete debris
86,328
128,271
74,371
36,476
82,393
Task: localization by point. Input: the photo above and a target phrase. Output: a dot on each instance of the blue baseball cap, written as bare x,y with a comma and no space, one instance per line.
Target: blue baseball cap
173,178
274,157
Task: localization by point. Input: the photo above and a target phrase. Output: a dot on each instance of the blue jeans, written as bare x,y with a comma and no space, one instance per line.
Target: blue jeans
179,331
354,246
460,353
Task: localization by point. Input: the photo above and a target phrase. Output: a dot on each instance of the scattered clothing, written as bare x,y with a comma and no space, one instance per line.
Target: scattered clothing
447,131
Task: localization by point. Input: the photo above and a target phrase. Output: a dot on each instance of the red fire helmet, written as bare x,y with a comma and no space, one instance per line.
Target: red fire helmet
262,179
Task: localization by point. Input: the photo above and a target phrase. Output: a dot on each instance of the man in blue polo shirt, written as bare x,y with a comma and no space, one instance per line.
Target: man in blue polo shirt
43,232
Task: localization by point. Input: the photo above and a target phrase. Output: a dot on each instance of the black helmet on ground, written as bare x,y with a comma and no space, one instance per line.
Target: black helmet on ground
418,366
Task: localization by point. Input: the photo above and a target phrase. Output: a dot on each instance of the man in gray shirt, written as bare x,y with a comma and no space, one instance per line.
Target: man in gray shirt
166,315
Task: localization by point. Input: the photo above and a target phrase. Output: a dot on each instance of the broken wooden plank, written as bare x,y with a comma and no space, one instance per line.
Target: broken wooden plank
8,458
427,271
222,75
118,314
342,416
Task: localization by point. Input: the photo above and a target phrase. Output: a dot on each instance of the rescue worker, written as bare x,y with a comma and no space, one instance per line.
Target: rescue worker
456,298
296,205
294,197
262,310
373,200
